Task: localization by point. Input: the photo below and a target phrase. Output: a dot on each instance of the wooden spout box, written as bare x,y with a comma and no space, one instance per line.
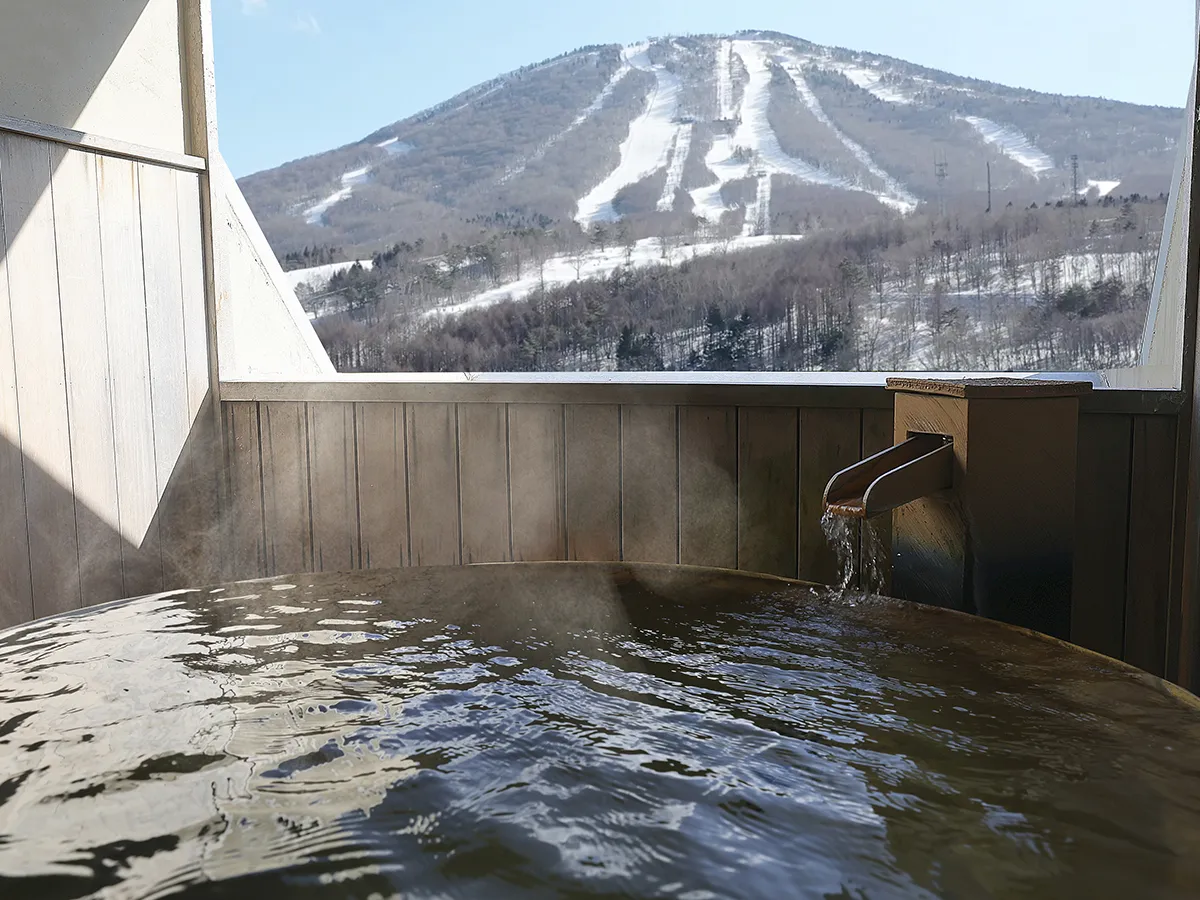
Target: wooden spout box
1001,542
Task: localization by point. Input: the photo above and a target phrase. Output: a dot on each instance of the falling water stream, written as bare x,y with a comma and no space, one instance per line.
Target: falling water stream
861,553
581,731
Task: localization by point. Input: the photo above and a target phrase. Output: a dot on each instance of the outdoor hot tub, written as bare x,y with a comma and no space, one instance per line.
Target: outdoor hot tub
550,730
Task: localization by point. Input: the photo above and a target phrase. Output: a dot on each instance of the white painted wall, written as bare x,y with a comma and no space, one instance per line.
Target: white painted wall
106,67
262,330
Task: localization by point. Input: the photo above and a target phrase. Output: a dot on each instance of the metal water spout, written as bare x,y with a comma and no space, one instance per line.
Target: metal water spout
981,488
916,468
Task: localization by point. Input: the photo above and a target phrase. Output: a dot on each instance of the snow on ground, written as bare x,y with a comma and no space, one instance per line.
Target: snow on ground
561,270
1012,144
1103,187
646,148
317,278
680,151
594,107
895,196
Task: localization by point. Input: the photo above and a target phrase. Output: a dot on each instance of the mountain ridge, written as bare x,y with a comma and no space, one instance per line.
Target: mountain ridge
529,146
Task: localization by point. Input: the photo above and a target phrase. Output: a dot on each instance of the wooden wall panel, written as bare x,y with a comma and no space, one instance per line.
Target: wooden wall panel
708,493
878,433
16,590
37,342
768,511
593,451
192,280
483,473
164,318
244,529
588,481
537,474
333,486
649,484
89,398
382,488
1151,523
129,374
190,520
287,511
830,440
1101,533
433,515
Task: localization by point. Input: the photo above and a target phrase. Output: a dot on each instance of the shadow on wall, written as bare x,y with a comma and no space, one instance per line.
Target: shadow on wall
57,554
55,53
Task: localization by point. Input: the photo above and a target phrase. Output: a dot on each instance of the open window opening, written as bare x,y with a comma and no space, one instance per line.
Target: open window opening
821,197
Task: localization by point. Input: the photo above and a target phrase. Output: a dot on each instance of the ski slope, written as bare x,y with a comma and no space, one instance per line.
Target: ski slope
647,147
561,270
725,110
1012,144
758,213
594,107
315,215
680,151
871,81
894,195
754,148
1007,140
1104,188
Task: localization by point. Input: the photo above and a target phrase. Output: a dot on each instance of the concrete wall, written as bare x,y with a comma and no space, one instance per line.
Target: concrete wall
106,67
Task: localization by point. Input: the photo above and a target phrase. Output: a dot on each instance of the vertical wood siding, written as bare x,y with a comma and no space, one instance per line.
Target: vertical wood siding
701,485
103,375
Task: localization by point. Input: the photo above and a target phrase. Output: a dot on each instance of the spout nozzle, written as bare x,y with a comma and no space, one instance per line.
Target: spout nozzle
916,468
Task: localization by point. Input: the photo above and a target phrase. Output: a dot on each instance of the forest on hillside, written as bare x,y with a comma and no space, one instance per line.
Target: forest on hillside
1055,287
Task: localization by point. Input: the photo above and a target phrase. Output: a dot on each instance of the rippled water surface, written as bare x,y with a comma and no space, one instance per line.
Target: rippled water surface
572,731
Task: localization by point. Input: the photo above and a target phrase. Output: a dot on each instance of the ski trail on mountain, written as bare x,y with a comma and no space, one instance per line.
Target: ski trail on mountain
594,107
725,80
646,148
680,152
315,215
721,160
754,147
758,213
872,82
894,194
1008,140
1012,144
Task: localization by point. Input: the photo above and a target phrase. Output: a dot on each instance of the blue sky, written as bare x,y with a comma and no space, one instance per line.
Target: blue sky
296,77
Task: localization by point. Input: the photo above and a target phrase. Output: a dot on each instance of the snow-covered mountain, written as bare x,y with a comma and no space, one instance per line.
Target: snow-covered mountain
731,136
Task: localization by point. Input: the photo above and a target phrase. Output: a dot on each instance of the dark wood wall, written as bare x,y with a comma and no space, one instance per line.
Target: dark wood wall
340,484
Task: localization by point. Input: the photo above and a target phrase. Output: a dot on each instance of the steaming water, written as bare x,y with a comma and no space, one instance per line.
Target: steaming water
571,731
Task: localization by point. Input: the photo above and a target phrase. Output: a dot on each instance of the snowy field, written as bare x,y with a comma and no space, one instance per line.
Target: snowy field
317,278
